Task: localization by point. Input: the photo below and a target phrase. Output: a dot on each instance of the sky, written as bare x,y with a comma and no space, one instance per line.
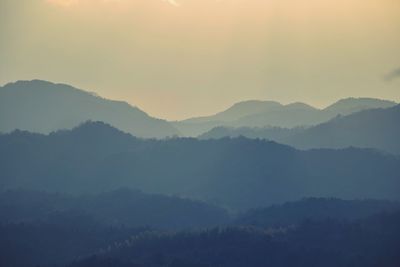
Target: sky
177,59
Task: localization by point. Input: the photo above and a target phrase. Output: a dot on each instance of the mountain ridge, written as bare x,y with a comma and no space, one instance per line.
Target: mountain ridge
372,128
43,107
257,113
235,173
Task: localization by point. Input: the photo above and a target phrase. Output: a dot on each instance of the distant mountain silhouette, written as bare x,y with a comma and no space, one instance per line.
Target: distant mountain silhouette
276,134
351,105
273,114
239,110
374,128
43,107
234,173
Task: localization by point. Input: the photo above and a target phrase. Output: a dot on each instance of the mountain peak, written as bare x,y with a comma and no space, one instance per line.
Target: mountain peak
44,107
300,105
254,102
352,104
245,108
96,127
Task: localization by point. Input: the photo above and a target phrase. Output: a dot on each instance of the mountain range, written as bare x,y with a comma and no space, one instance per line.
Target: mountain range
90,182
121,207
43,107
369,242
372,128
96,231
233,173
273,114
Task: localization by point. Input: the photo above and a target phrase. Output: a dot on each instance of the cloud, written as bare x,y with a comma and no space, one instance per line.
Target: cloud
392,75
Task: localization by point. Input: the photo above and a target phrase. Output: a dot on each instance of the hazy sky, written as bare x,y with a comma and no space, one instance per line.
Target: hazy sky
183,58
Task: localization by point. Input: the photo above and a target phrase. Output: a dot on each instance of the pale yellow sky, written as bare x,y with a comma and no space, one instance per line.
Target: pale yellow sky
177,59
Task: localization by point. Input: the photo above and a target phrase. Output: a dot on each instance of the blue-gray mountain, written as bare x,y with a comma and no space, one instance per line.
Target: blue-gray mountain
369,242
273,114
43,107
122,207
234,173
43,229
374,128
316,209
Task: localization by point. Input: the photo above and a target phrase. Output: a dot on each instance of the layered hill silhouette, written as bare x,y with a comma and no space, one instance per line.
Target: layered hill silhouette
63,230
43,107
122,207
315,209
374,128
373,241
234,173
273,114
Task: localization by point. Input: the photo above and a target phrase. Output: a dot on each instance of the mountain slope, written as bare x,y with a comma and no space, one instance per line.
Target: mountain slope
239,110
43,107
347,106
373,241
269,113
276,134
374,128
234,173
316,209
122,207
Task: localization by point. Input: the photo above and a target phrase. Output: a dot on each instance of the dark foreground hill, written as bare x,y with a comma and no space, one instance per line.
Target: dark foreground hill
43,107
235,173
366,243
374,128
43,229
47,229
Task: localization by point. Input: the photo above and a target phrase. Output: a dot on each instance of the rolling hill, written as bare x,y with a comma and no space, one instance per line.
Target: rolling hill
273,114
374,128
43,107
233,173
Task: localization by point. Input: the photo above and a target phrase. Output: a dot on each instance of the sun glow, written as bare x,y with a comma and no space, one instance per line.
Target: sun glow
183,51
69,3
64,3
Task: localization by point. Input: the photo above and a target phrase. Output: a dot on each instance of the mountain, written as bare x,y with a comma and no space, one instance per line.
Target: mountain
234,173
239,110
122,207
43,107
374,128
248,113
351,105
273,114
276,134
52,229
373,241
316,209
43,229
58,241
